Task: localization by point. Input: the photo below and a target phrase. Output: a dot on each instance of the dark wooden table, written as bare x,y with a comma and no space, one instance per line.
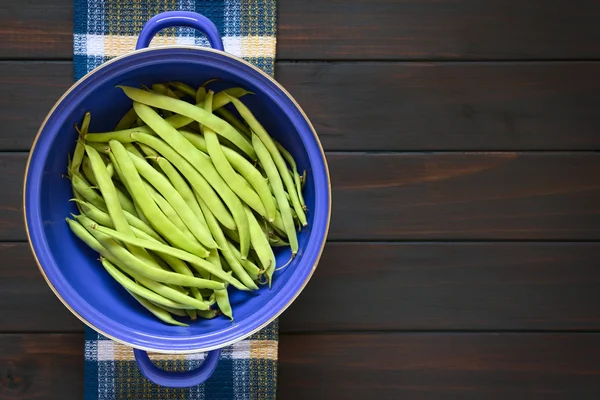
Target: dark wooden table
463,259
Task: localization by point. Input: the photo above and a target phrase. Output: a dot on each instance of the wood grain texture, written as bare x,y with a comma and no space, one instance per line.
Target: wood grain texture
41,366
28,304
414,286
31,90
433,29
363,29
393,106
451,286
436,196
357,366
439,366
36,29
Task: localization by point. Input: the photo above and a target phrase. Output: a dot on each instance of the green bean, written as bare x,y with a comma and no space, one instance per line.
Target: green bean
292,163
172,196
130,147
200,94
104,219
141,291
260,243
107,236
222,299
175,311
143,199
175,252
217,233
193,176
81,186
191,314
111,170
208,314
79,146
177,120
182,188
181,107
245,168
251,269
203,165
109,192
187,89
224,168
275,180
157,311
233,120
83,234
258,129
124,200
126,120
169,211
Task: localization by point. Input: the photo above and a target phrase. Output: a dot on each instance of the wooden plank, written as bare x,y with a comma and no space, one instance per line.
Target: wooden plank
394,286
437,196
36,29
28,304
451,286
364,29
41,366
416,29
31,89
393,106
358,366
439,366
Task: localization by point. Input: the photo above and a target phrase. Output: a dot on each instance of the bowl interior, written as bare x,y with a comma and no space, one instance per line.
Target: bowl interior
74,270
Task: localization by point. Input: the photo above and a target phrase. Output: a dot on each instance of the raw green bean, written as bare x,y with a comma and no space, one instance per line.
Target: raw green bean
106,237
275,180
250,268
143,199
224,168
191,314
130,147
245,168
187,89
200,94
82,233
110,169
141,291
126,120
189,110
260,131
175,252
172,196
157,311
233,120
174,311
81,186
124,200
222,298
109,192
261,246
182,188
208,314
168,211
203,165
192,175
104,219
79,146
177,120
217,233
292,163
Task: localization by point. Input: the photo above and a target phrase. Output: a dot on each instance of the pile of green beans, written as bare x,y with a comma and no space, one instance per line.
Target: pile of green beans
185,199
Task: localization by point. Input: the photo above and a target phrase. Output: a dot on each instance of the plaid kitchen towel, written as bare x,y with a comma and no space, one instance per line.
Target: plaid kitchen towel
104,29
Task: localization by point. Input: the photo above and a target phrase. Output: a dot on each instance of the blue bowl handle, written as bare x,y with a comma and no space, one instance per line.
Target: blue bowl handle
177,379
179,18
